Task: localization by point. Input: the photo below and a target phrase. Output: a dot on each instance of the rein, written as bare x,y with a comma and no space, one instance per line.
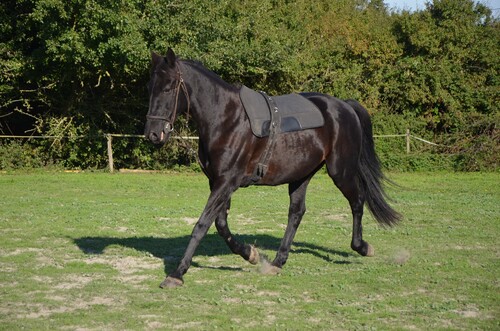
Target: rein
169,125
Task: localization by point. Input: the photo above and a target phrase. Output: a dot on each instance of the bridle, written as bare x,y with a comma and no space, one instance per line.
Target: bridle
169,121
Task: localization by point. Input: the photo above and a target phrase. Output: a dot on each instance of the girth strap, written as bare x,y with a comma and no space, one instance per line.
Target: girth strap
274,129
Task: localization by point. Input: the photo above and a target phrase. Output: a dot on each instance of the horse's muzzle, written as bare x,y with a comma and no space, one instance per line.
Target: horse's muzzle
158,139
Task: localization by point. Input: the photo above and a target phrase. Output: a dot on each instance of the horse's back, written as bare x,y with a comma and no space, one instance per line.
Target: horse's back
297,154
339,115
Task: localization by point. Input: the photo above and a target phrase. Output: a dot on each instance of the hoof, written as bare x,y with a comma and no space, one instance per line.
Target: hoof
370,251
171,282
254,255
365,249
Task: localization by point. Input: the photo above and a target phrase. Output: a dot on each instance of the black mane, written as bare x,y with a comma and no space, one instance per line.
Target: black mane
198,65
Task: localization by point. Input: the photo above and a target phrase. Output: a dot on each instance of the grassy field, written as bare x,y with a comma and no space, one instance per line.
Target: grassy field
87,251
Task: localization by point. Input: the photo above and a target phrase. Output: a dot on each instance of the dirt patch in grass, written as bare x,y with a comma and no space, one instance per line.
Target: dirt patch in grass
190,220
19,251
74,282
30,310
188,326
127,265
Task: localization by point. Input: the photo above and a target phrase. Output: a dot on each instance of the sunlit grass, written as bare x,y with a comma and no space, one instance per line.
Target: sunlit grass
89,250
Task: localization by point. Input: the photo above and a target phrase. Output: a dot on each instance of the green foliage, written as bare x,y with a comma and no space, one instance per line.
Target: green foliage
476,147
86,61
392,150
71,146
448,68
138,153
17,155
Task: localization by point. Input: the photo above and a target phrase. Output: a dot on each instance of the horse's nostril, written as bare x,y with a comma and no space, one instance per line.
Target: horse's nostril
153,137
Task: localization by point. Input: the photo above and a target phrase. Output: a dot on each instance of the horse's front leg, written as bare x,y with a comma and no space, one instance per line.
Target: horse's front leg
217,202
297,209
248,252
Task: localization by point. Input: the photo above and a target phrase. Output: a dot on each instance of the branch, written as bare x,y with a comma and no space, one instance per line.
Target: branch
7,114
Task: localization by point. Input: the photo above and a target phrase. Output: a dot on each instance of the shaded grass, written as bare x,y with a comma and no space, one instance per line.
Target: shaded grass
89,251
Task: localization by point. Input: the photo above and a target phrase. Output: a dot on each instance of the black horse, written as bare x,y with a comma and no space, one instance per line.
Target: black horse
230,153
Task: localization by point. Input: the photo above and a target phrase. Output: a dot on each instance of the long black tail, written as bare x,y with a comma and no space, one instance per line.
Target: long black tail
370,174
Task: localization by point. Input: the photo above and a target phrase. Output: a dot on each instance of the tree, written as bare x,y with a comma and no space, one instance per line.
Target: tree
80,67
74,58
449,67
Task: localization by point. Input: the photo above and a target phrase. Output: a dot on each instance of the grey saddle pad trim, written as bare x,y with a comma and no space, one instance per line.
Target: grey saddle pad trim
296,112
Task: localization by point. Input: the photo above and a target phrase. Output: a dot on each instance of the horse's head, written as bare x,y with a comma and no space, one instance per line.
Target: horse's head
164,89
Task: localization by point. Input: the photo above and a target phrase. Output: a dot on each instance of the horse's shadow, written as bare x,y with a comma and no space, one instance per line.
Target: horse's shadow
170,250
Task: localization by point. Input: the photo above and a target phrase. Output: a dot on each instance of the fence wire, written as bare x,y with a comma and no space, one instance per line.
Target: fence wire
109,137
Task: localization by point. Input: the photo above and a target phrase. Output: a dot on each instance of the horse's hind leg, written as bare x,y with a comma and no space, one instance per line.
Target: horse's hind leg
248,252
348,184
297,209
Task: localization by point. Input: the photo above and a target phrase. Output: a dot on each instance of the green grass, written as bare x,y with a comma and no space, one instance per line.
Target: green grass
88,251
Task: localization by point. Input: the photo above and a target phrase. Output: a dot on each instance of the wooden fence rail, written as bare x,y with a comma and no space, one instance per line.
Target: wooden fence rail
109,137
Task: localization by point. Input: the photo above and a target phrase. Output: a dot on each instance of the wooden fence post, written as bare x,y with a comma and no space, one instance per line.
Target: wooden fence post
110,153
407,141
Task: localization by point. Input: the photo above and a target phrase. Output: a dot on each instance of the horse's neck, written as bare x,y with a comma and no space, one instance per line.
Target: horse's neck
208,96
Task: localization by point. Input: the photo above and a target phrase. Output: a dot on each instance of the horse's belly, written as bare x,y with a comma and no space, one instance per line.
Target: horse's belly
294,158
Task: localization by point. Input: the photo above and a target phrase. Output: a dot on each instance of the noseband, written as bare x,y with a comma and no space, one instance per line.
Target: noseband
169,121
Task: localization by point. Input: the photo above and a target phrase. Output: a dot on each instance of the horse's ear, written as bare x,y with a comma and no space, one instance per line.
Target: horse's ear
171,57
156,58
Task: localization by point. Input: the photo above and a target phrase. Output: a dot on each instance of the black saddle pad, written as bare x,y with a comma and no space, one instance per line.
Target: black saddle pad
296,112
